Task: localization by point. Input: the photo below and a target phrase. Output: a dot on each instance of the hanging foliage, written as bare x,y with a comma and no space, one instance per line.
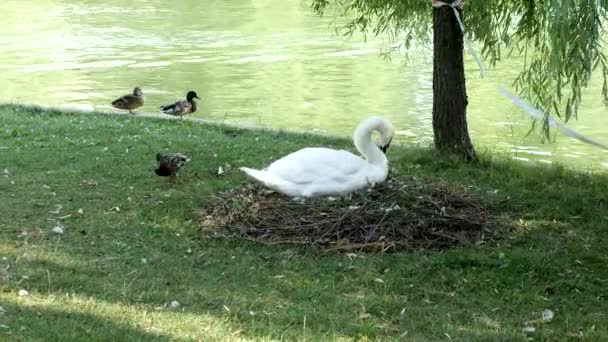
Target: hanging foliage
563,41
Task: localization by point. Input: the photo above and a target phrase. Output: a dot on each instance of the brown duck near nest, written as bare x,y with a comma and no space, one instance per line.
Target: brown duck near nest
182,107
130,101
169,164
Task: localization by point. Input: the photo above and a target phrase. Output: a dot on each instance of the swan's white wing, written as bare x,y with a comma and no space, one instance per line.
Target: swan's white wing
316,165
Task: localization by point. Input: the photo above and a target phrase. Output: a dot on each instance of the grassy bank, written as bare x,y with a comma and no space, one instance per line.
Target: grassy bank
134,248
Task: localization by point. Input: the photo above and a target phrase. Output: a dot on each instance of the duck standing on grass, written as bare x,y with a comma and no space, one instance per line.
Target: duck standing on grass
130,101
169,164
182,107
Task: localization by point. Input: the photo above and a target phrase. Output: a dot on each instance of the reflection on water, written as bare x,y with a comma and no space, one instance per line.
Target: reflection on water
264,62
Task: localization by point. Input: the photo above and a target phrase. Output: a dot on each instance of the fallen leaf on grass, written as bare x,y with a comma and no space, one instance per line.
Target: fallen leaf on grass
578,334
58,208
487,321
58,229
548,315
364,315
529,329
89,182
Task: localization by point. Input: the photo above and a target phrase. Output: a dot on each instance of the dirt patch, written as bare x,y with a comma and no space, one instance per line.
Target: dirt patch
396,215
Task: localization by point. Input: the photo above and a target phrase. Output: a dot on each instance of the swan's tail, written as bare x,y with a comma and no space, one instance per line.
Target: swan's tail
268,179
261,176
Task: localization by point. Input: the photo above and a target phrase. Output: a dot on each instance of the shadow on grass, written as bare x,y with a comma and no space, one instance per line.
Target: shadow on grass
520,190
40,323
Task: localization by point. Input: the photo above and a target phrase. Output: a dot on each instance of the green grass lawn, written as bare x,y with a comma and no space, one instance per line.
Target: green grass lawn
136,247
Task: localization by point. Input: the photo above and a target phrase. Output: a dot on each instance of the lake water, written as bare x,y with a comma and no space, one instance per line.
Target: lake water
263,62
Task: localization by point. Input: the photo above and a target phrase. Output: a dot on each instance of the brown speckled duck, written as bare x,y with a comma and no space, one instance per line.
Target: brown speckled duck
182,107
169,164
130,101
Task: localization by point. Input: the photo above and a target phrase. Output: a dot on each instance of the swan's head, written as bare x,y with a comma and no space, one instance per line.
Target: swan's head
386,134
385,147
362,136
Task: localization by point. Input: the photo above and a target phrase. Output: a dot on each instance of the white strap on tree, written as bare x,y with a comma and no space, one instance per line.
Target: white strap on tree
533,112
455,5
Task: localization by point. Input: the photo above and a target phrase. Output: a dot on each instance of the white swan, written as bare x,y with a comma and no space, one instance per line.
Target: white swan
316,171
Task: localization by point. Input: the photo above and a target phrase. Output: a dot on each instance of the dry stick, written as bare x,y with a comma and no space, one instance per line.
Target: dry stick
272,243
381,220
358,246
48,275
332,227
57,244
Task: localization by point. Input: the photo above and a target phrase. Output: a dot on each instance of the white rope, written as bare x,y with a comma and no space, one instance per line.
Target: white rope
538,114
533,112
455,6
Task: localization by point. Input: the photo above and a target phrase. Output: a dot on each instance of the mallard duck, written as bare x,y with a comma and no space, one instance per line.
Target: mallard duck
130,101
182,107
169,164
316,171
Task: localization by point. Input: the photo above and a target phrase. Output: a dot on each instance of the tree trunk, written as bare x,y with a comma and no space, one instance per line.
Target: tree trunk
449,91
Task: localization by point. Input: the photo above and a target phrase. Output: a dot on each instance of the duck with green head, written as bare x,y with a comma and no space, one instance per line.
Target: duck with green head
130,101
182,107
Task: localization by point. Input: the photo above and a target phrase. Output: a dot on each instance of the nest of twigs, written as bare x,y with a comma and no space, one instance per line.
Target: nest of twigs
393,216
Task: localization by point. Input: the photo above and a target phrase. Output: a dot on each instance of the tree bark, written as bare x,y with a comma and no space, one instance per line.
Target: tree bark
449,91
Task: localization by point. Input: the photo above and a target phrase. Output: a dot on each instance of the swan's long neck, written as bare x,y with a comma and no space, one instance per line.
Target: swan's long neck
365,145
